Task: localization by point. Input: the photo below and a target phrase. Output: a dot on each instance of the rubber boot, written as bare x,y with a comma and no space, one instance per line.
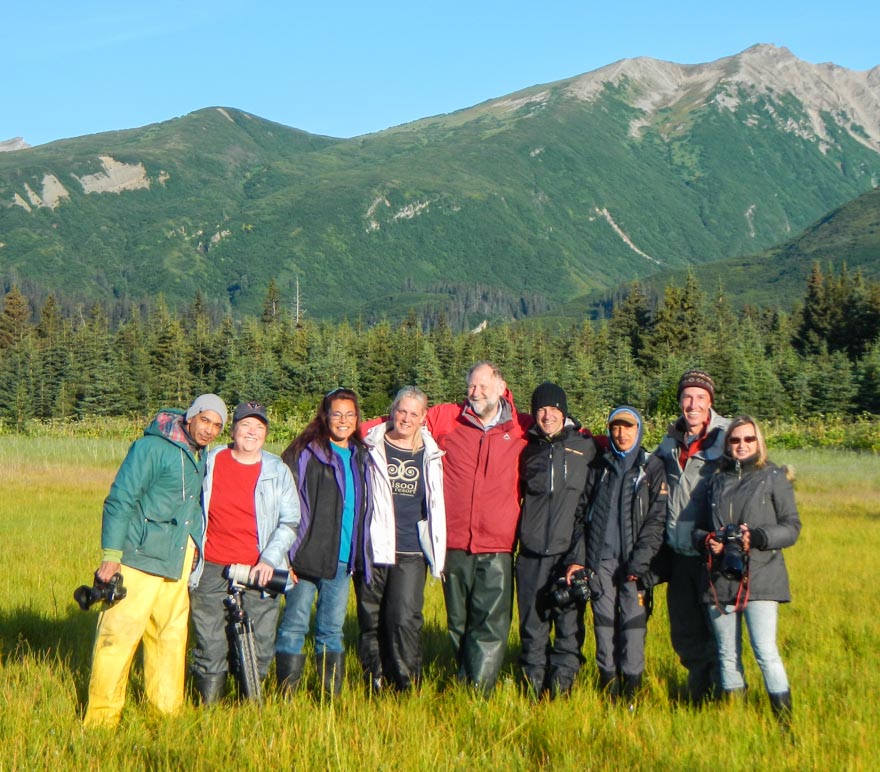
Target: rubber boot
608,682
780,704
483,661
210,686
374,682
288,671
533,683
331,671
561,682
632,685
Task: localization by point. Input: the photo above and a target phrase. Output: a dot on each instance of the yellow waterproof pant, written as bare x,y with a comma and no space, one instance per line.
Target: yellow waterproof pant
155,610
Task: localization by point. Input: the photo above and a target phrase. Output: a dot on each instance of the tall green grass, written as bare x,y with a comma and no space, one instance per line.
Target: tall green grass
50,512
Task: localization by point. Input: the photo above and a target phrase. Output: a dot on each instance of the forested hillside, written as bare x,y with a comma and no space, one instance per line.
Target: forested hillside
823,359
847,238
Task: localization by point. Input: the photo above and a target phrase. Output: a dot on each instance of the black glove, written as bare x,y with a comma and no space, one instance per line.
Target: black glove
759,539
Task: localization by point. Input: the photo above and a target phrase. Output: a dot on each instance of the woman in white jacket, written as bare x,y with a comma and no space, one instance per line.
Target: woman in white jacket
407,535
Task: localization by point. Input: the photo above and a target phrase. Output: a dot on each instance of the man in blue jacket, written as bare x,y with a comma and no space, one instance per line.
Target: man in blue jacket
151,525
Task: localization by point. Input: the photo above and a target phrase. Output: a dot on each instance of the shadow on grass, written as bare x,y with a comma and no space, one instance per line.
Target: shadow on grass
26,634
66,641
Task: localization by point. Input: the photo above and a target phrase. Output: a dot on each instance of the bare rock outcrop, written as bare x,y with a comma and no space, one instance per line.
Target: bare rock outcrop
850,97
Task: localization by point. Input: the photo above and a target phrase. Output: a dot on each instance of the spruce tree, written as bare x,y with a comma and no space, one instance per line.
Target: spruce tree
14,319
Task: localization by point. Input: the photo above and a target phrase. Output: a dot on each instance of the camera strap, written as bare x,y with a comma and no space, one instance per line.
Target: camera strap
742,591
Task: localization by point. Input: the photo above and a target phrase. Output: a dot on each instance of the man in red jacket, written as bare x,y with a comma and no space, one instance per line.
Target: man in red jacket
482,438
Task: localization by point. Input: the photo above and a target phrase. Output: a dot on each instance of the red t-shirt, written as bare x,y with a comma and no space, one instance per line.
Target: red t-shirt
232,518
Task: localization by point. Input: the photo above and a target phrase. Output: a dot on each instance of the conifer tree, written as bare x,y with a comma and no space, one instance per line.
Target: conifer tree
631,320
96,379
429,376
54,335
132,365
19,367
815,323
379,368
868,380
271,303
14,319
170,355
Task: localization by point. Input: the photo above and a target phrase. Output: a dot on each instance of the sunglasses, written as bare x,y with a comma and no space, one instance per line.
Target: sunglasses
738,440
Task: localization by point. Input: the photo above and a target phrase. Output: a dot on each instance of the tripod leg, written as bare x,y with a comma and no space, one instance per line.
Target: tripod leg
242,647
246,666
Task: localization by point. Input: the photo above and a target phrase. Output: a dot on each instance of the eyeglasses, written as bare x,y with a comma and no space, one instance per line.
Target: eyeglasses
738,440
337,416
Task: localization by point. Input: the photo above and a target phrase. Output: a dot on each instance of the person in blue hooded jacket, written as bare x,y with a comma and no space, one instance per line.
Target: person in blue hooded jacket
622,535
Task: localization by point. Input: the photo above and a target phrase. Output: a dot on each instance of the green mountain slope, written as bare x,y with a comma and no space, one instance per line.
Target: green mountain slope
776,277
533,199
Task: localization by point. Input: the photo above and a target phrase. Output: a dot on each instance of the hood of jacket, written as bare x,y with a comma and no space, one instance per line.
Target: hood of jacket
633,452
169,424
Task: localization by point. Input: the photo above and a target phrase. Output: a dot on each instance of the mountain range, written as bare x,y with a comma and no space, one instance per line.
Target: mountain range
508,208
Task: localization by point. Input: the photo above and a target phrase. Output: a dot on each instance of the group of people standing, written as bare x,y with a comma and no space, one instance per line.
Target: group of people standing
474,493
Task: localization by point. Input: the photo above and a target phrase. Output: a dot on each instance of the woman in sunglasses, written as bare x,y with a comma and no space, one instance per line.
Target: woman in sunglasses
328,461
753,517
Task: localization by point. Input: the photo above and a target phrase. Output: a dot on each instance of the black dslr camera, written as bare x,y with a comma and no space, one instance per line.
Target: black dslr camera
107,592
733,558
563,595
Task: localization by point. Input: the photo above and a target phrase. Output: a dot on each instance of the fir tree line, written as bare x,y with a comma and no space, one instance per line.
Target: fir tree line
822,357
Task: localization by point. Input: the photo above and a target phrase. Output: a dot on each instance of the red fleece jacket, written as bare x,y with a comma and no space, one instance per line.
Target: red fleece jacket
480,475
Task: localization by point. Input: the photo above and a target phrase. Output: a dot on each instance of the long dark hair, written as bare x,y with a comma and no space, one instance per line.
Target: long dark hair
318,429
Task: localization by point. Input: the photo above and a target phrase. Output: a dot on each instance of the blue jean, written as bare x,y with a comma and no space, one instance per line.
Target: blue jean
760,616
329,615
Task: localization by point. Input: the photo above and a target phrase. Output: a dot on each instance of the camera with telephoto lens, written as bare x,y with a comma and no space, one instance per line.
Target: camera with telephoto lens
563,594
107,592
733,557
240,574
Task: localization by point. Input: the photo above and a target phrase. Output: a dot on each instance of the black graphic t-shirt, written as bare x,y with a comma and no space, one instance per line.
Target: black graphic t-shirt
408,488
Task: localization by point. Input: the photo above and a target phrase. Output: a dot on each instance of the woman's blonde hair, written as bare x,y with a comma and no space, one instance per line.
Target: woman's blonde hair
409,391
417,394
745,420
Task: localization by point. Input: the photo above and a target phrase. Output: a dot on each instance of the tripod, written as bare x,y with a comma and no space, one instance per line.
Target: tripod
242,646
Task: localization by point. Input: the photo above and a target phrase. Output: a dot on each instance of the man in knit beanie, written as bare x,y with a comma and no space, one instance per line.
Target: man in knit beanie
151,524
556,482
691,451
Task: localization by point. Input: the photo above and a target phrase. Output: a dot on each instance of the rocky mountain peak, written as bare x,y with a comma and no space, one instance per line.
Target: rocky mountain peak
850,97
16,143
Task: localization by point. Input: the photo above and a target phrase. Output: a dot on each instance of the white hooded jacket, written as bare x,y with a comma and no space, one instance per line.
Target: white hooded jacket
432,532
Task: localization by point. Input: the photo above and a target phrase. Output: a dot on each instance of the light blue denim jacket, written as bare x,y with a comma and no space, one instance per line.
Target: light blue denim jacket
276,504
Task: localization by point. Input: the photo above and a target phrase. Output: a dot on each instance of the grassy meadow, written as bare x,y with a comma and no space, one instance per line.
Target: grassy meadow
50,512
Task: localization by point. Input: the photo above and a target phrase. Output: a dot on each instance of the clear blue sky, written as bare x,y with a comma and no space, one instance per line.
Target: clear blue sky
350,68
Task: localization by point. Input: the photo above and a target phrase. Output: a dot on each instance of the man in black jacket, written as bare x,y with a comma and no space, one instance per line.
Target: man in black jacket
624,533
555,483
